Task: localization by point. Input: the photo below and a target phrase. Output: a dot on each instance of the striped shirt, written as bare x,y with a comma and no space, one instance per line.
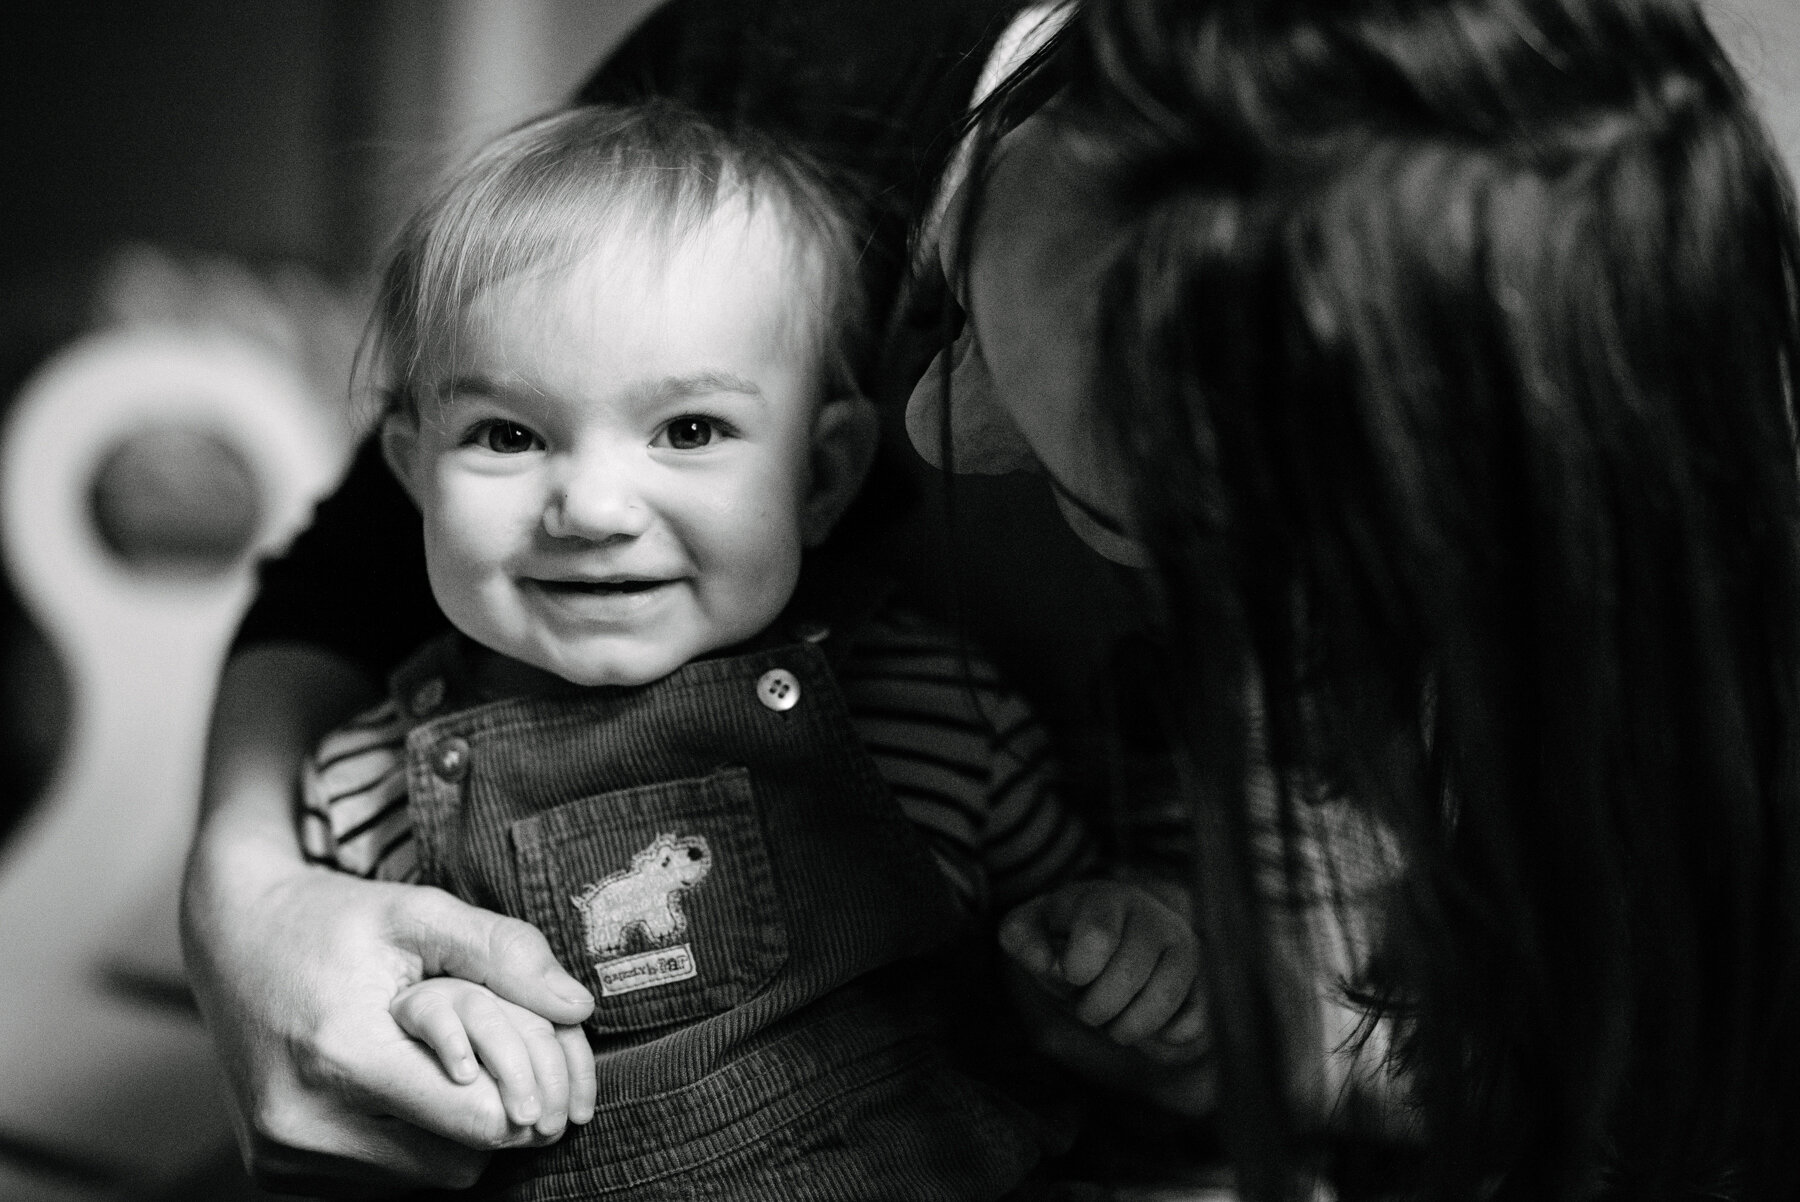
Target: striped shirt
966,760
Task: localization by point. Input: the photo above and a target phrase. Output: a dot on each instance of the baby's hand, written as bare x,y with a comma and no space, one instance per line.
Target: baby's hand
545,1073
1119,959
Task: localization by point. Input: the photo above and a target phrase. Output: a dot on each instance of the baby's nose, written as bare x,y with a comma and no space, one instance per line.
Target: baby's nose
597,503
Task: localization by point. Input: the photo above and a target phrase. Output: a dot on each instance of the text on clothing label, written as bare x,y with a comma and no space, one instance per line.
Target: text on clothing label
664,966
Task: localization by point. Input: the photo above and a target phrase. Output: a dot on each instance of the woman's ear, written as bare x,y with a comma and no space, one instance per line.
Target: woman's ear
400,446
845,432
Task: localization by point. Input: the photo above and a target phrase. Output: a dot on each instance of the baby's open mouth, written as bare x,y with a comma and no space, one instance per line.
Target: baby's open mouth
600,587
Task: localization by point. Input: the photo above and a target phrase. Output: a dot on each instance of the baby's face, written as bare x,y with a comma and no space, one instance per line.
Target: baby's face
613,465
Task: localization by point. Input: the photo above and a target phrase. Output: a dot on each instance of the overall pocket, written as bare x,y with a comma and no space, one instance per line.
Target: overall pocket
660,899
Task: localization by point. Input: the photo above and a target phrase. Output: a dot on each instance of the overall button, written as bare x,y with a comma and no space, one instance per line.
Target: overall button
427,697
450,759
778,689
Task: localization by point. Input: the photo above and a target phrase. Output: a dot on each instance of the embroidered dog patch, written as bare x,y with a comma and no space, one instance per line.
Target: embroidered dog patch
644,900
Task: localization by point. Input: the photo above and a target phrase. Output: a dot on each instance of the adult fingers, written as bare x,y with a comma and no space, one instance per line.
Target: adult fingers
511,957
324,1079
294,1145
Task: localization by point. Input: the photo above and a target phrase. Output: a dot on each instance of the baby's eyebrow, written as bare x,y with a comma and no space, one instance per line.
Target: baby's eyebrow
471,385
665,388
703,383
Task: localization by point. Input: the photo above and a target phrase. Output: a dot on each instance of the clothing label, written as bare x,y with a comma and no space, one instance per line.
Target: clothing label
646,970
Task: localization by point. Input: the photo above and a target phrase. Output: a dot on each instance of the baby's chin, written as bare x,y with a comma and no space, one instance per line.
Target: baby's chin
623,671
622,676
622,666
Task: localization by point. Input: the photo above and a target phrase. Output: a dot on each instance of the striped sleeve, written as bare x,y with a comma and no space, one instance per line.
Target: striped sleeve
353,813
966,760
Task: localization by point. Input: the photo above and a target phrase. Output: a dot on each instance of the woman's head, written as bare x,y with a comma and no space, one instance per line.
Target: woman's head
1444,351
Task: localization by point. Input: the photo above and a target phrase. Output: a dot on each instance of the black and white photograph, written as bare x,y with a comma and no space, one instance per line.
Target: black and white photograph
900,601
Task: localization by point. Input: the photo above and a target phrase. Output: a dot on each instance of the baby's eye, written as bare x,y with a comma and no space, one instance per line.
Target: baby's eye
690,433
505,438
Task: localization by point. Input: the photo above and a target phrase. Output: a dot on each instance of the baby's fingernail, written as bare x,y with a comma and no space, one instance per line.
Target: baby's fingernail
530,1110
463,1069
1185,1031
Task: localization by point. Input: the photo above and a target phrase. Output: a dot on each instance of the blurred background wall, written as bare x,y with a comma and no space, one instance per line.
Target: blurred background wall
212,145
300,127
203,164
1763,38
292,128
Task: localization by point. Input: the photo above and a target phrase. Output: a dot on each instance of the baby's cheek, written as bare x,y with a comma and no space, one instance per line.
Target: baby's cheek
759,583
769,580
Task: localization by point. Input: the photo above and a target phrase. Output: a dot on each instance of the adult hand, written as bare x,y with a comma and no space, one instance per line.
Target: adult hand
331,1097
295,967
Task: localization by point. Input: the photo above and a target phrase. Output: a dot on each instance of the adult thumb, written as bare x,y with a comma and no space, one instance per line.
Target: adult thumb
509,956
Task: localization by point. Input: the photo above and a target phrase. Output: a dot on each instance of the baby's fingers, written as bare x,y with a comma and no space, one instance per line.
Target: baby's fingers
1160,999
504,1051
1184,1040
1189,1024
429,1017
1115,988
549,1066
1024,936
1096,928
582,1084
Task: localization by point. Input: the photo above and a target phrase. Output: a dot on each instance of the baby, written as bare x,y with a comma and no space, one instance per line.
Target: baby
757,828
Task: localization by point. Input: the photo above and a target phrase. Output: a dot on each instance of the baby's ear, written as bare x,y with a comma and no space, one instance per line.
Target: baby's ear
400,447
845,432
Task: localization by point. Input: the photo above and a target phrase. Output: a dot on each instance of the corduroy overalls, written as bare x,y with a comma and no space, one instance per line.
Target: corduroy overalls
715,857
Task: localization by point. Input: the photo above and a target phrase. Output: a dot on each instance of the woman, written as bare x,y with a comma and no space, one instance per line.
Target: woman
1437,362
1434,359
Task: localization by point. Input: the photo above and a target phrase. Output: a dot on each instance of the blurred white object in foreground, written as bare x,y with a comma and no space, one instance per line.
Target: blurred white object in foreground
138,570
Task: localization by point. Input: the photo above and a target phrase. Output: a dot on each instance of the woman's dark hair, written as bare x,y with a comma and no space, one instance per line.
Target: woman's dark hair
1453,354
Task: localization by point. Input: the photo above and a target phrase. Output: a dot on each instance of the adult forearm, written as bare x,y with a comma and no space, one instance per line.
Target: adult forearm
275,701
295,966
